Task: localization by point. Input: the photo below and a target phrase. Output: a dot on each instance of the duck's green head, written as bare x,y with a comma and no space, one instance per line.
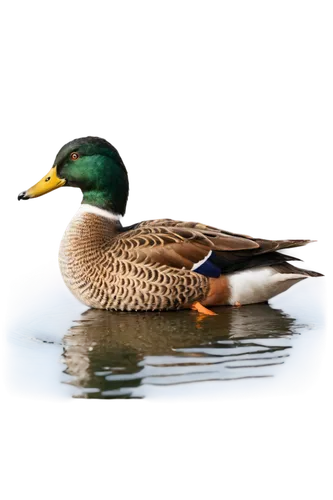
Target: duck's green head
93,165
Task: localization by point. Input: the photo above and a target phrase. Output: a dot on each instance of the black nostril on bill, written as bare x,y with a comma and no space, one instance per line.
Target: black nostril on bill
47,179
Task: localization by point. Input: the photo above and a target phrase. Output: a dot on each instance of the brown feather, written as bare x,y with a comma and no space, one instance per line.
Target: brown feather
148,266
186,243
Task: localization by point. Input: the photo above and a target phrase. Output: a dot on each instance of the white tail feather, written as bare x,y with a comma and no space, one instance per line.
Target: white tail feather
259,284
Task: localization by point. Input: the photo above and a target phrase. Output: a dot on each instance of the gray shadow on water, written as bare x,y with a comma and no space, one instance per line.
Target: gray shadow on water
57,349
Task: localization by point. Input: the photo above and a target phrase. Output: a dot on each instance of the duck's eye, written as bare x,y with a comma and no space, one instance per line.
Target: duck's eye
74,156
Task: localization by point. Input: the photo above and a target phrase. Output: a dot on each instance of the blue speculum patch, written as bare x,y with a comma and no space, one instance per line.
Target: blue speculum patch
209,269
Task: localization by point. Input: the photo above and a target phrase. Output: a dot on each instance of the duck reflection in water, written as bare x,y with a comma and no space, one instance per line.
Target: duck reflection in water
126,344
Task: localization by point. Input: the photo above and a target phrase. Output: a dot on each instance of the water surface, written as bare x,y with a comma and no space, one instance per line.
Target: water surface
87,353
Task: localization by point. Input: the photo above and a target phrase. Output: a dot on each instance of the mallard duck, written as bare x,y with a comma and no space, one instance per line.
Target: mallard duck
157,264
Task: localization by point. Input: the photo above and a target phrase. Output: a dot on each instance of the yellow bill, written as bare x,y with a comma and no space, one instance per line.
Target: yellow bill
48,183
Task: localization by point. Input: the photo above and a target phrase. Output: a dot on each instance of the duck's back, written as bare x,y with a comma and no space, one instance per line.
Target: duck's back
165,264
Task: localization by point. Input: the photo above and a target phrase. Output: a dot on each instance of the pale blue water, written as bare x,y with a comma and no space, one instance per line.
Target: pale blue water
58,350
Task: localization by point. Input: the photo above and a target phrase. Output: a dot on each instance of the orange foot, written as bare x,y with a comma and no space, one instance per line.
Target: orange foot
237,304
196,306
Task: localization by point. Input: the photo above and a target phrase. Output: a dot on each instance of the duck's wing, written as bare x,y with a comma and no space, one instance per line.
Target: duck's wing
194,246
